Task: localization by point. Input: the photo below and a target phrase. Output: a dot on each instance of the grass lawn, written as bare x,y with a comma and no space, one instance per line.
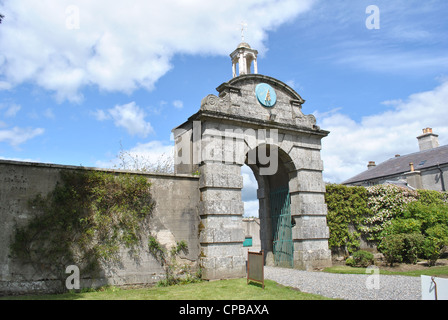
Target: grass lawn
234,289
433,271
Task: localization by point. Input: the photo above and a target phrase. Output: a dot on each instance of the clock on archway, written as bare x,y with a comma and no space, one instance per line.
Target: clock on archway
266,95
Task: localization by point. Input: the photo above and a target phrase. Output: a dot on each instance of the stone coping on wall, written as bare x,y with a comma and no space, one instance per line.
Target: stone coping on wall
72,167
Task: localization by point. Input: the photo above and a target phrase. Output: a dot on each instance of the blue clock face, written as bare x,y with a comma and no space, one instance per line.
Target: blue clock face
266,95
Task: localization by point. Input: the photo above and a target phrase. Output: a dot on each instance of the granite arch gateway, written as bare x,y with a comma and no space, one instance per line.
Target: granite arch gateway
281,145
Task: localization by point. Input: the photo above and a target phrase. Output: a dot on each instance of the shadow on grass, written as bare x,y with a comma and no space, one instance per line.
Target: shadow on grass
255,284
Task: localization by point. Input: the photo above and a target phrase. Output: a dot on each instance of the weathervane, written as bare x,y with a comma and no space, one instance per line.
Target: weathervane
243,26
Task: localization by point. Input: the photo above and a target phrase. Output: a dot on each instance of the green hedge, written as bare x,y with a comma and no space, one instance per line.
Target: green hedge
347,206
381,211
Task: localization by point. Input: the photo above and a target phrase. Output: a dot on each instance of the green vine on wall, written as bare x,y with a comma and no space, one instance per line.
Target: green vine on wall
346,208
358,212
168,260
83,221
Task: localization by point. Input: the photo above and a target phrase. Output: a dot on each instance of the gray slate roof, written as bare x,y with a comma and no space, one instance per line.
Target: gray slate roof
421,160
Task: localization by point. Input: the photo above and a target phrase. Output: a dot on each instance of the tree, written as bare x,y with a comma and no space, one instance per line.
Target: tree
1,17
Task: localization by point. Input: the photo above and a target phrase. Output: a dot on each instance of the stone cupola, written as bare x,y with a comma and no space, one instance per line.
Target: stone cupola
243,56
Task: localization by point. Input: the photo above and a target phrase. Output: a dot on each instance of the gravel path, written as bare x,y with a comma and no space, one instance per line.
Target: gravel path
348,286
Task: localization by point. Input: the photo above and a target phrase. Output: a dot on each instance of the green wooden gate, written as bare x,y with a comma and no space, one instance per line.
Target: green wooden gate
283,246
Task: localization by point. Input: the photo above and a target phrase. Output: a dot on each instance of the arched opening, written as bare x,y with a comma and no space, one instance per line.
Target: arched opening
251,221
275,222
249,192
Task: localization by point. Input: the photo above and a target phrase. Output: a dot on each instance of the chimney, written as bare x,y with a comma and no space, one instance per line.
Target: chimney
411,165
428,140
371,165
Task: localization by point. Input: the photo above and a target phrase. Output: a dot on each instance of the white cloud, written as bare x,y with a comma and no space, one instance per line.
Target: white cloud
153,150
20,159
151,156
5,85
48,113
100,115
178,104
250,184
17,136
12,110
351,145
129,116
249,192
121,46
251,208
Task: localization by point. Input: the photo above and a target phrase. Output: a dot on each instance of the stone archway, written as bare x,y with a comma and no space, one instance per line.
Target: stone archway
274,212
222,136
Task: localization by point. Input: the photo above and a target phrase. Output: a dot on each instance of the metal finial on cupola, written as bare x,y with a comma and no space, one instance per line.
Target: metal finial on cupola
243,56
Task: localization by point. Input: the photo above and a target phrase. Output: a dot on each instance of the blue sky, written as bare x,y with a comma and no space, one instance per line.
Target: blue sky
80,78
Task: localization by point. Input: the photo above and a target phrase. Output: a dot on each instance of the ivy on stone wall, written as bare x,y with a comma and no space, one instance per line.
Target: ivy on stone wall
83,221
355,212
347,206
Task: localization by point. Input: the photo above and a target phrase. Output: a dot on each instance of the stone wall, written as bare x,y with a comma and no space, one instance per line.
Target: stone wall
175,218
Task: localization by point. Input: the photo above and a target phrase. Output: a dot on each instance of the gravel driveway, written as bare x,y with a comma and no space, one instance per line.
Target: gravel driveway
348,286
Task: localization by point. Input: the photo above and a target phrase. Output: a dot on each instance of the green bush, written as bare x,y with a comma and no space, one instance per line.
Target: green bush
428,197
385,203
435,243
361,259
392,217
400,225
402,247
392,248
434,224
429,214
350,262
422,232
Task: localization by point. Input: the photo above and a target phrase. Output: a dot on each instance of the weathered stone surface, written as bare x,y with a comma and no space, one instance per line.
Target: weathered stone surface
307,181
175,218
306,159
308,203
224,267
310,227
210,194
222,229
310,254
221,207
222,261
221,180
